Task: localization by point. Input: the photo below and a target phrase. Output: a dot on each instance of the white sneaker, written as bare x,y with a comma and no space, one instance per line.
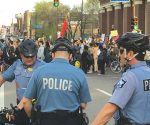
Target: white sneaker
100,74
89,72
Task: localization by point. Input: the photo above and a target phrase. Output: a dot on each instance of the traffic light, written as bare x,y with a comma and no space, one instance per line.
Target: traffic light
56,3
134,23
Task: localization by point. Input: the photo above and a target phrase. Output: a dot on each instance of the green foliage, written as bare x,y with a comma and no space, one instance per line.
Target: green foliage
89,17
92,6
49,17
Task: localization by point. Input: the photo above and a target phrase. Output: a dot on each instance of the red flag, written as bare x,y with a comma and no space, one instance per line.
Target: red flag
64,28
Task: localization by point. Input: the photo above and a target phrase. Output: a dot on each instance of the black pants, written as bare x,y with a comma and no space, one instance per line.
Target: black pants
85,67
60,119
101,64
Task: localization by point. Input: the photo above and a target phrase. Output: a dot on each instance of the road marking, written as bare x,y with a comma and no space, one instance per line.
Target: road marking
110,76
104,92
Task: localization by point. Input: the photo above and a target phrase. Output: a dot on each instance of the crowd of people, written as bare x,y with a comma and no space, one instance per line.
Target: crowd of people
61,90
96,53
93,54
9,52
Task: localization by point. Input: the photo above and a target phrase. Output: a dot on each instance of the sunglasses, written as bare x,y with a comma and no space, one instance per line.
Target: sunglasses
29,56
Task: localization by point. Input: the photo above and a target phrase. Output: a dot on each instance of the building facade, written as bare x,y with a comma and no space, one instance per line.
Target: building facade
27,23
118,16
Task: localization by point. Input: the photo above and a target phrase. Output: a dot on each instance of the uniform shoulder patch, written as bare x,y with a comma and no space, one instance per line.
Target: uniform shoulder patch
121,83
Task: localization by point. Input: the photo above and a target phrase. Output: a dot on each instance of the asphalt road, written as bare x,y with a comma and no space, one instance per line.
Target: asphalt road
101,89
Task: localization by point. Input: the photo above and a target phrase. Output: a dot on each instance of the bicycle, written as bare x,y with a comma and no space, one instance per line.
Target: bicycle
115,65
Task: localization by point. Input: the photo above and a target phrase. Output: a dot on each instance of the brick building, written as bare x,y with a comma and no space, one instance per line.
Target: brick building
118,15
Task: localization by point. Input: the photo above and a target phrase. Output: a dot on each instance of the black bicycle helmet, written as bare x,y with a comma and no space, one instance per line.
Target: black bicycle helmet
28,48
134,41
62,44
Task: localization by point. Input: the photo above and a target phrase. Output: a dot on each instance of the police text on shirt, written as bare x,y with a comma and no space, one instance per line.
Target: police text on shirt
57,84
146,84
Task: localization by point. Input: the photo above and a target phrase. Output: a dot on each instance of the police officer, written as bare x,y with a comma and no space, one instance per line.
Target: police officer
59,87
132,92
22,69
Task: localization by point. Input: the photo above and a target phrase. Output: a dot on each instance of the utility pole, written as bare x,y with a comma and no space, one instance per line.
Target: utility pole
81,31
30,26
133,8
35,25
56,4
57,20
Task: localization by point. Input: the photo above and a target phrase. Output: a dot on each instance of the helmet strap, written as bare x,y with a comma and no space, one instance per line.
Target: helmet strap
129,59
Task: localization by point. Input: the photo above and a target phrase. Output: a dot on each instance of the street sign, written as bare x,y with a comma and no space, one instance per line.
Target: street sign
37,26
120,0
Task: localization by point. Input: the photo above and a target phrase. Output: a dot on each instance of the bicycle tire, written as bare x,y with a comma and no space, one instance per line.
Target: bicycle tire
115,67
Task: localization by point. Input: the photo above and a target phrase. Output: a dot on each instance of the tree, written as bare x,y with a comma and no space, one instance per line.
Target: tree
49,18
91,7
73,17
90,16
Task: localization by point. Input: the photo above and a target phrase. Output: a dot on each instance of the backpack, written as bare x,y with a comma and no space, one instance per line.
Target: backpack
89,57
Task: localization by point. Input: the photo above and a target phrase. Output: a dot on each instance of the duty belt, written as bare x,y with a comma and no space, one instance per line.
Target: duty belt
59,113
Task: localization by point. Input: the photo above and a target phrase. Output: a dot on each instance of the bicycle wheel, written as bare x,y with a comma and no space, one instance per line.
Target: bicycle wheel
115,67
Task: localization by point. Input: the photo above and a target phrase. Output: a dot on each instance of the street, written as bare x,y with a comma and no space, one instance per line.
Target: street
100,89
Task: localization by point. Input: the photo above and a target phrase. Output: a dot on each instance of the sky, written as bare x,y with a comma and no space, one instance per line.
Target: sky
9,8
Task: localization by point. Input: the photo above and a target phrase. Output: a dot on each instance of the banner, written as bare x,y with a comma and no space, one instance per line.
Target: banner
114,33
64,28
